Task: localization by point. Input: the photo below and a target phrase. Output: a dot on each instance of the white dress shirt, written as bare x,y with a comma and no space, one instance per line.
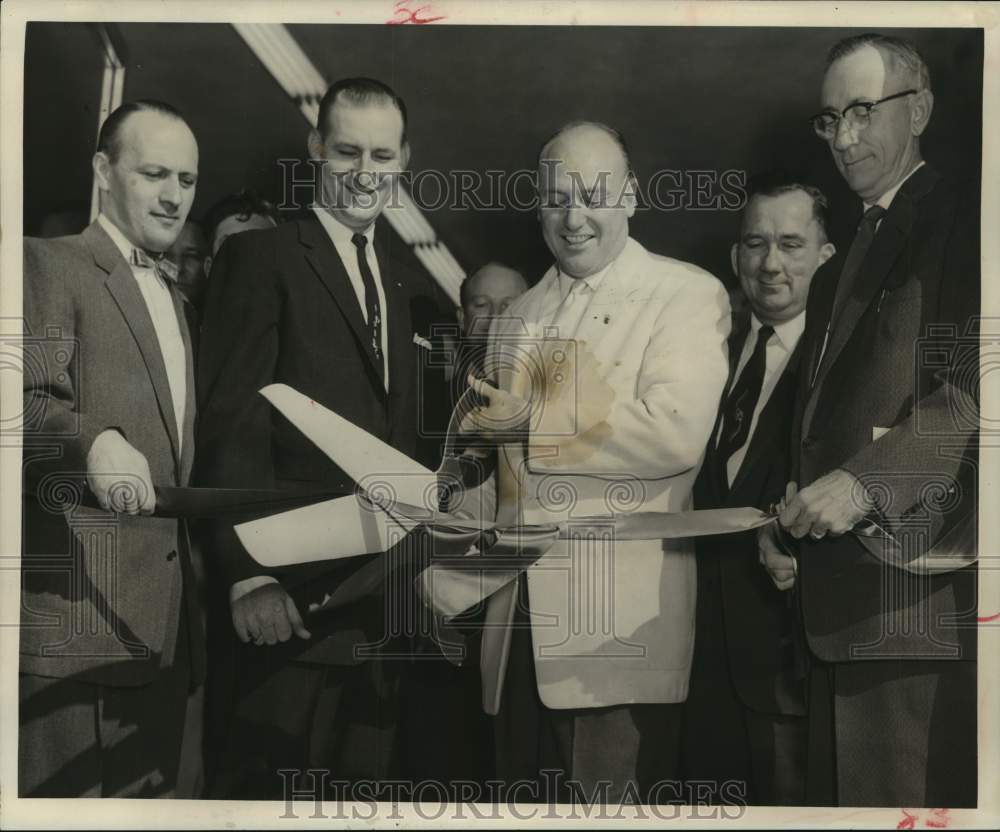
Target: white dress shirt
779,349
575,294
341,236
160,304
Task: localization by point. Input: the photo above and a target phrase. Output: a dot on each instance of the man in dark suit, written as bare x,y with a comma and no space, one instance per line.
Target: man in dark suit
885,446
743,719
323,304
110,633
446,735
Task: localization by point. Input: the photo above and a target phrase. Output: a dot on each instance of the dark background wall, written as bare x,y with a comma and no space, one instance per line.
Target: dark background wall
482,98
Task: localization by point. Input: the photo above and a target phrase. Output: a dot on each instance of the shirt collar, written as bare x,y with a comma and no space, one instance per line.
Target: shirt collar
117,237
787,332
567,281
886,199
339,233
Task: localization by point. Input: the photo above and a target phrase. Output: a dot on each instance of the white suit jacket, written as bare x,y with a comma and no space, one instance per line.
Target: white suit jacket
623,430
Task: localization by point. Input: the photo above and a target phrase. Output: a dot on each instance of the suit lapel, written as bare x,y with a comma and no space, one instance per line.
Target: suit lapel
187,444
609,296
322,256
891,239
120,282
400,334
888,245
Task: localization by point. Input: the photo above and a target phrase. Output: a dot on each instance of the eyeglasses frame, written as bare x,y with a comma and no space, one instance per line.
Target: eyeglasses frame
868,105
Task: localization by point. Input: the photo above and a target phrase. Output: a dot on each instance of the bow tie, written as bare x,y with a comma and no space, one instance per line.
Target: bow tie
157,261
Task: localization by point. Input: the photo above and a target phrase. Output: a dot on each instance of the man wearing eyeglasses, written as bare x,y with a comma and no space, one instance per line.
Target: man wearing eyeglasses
885,455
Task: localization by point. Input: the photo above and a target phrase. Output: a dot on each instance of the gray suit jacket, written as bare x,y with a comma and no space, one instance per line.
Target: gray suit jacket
895,402
101,594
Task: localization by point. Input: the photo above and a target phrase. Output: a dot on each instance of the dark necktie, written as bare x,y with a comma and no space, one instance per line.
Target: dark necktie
855,258
737,412
156,261
848,275
371,300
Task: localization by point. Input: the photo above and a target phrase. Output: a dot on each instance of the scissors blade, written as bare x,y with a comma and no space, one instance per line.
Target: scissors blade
386,474
654,525
331,530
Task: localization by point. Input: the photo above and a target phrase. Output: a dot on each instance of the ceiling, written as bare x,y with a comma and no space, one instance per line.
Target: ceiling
482,99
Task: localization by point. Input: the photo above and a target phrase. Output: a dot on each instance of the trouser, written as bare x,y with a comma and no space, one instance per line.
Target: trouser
892,733
444,736
79,739
338,721
730,752
607,755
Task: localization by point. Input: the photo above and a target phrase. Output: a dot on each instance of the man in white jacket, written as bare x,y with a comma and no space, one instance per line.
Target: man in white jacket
609,371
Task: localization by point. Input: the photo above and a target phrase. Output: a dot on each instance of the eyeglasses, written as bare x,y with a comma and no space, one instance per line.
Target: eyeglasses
858,116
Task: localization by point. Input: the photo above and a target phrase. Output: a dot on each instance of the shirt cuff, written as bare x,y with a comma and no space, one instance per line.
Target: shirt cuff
241,588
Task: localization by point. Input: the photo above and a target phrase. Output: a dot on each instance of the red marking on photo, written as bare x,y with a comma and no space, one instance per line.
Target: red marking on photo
985,619
908,821
939,819
406,15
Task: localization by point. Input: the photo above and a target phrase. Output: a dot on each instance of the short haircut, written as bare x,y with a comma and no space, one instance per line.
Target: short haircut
360,91
463,288
109,137
898,54
615,136
243,205
777,184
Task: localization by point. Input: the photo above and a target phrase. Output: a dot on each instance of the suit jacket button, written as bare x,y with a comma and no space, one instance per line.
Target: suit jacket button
172,555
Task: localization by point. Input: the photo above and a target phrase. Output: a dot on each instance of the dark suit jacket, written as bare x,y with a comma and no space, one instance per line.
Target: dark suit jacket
896,361
102,595
280,308
757,619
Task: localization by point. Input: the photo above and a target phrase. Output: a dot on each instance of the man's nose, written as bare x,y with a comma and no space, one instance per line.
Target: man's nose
170,192
574,217
844,136
772,263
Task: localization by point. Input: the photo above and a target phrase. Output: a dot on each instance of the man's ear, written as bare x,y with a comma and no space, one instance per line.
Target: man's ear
921,106
629,198
734,258
102,170
315,144
826,251
460,315
207,264
404,156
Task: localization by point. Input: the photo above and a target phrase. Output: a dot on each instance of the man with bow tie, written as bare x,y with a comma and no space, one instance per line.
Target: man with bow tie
743,719
328,304
111,638
885,454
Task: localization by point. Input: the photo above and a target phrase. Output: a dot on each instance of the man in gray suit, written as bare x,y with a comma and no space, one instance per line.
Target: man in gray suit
110,636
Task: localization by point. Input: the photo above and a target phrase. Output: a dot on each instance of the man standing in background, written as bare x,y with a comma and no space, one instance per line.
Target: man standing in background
188,255
744,716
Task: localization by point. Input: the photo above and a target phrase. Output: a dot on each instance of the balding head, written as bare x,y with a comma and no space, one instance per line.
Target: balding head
487,293
587,196
584,126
